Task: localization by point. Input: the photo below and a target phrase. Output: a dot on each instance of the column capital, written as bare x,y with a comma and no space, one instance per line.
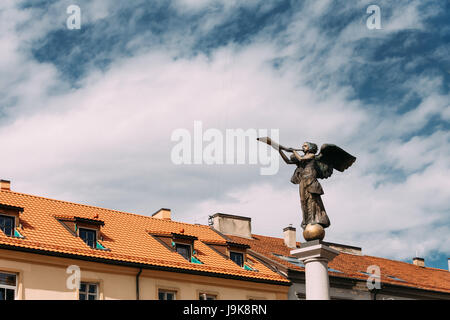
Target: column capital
314,251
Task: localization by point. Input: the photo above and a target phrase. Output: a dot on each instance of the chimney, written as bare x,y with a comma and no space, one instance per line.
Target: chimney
5,185
420,262
163,213
290,237
232,225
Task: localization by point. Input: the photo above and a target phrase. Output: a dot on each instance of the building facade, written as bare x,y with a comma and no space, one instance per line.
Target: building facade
52,249
352,275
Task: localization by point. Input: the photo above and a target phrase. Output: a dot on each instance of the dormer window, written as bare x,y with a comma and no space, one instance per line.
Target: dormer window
237,257
86,229
184,250
9,220
236,252
184,245
89,236
7,225
180,243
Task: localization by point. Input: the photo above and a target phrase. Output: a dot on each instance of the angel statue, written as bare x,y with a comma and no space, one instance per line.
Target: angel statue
311,167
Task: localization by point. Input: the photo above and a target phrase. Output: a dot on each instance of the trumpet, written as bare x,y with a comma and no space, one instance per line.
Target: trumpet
275,145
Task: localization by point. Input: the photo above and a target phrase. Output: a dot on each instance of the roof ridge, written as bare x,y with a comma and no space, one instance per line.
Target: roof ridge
101,208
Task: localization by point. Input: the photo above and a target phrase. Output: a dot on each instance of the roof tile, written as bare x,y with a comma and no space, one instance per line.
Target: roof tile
351,265
126,235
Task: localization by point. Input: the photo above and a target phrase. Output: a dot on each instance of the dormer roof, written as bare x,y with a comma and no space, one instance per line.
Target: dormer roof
127,236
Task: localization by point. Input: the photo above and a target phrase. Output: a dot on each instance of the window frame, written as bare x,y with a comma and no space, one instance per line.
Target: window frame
86,293
165,292
15,288
13,224
206,295
189,246
88,229
238,253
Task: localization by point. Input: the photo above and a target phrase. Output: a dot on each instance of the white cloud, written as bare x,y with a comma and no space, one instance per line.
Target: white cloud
108,142
390,220
140,101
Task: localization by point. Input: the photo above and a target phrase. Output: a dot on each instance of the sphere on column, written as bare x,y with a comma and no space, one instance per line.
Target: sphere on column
314,232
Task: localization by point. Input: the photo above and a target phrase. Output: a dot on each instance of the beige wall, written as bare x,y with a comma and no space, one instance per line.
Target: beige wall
44,277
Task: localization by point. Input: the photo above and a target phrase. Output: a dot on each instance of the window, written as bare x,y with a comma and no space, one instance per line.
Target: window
88,291
166,295
290,260
237,257
7,225
205,296
395,278
184,250
8,286
89,236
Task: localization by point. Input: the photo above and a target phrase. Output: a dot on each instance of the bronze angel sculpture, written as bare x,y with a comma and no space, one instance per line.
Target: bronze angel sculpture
311,167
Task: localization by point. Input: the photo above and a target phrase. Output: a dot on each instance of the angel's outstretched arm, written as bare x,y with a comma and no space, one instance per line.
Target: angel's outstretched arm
285,158
302,158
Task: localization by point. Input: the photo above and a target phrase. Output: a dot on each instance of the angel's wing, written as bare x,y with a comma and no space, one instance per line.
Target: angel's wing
332,157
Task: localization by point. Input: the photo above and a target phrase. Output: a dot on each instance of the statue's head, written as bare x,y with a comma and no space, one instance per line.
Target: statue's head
309,147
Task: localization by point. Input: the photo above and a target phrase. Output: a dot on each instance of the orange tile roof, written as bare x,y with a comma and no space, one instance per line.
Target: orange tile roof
351,265
126,236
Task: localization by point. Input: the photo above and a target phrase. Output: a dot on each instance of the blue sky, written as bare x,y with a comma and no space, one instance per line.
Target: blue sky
86,115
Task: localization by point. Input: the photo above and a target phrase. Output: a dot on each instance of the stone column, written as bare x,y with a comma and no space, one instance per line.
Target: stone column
315,256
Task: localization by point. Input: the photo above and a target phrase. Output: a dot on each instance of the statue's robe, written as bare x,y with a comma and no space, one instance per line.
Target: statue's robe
305,176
